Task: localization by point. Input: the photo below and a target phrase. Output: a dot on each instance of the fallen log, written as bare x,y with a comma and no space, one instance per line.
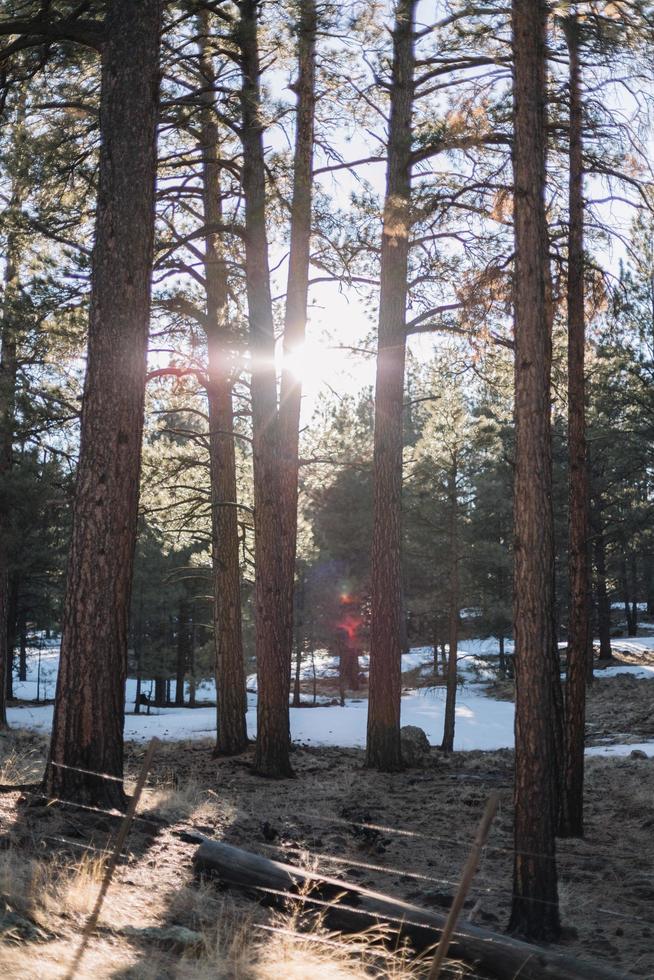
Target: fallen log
351,908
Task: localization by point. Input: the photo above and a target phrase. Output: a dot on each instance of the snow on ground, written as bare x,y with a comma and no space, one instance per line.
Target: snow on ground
622,750
42,668
417,657
634,644
481,722
646,672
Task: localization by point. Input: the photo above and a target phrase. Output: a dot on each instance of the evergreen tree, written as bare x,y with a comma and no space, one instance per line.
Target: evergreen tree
87,737
535,899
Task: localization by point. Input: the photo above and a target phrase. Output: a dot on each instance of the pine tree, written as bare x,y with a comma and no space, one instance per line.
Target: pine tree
231,730
87,737
383,739
534,910
579,651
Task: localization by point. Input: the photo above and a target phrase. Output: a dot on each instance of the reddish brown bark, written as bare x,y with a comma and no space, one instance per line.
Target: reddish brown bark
273,736
579,633
299,639
383,741
231,730
447,744
8,376
182,650
535,904
87,736
601,591
297,290
12,631
9,334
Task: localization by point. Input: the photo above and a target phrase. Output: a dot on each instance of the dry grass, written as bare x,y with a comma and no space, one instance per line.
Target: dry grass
38,889
171,800
52,961
233,944
75,888
321,817
22,757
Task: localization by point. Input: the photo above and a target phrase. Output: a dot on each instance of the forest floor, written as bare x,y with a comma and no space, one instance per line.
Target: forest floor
619,708
407,834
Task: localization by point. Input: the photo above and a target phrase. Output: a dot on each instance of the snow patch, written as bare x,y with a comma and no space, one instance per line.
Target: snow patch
481,722
622,750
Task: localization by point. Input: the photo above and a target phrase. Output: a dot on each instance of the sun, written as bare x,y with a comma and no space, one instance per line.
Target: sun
313,363
332,357
321,365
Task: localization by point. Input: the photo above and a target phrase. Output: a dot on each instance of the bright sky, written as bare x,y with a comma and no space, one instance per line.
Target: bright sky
340,318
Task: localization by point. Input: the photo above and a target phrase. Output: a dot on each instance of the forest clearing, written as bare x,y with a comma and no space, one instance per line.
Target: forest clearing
326,489
337,818
325,819
484,709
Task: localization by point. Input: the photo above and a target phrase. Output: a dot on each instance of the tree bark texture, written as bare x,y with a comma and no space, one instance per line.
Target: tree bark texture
601,591
87,736
383,736
22,656
632,621
299,639
648,571
297,290
447,744
182,649
231,730
626,582
9,334
534,911
579,611
160,692
273,735
12,631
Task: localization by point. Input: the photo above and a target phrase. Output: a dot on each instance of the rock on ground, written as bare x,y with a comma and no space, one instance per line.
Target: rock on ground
415,745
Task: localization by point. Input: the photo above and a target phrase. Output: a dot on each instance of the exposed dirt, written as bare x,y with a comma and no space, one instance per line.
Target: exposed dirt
620,710
406,833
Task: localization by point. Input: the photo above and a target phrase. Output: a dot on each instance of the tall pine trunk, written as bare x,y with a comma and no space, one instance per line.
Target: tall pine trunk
12,631
633,580
579,632
182,650
603,603
383,737
87,735
273,735
22,639
648,571
191,663
297,290
601,590
534,910
299,639
231,730
9,333
626,582
7,400
160,692
447,744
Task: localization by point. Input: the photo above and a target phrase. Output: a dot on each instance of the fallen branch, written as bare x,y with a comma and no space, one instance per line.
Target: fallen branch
351,908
